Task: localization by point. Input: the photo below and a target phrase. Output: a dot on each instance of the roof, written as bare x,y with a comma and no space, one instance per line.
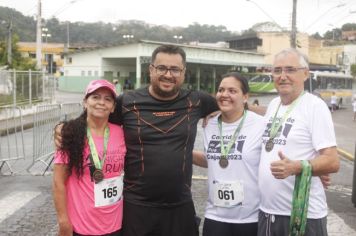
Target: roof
241,37
46,47
169,43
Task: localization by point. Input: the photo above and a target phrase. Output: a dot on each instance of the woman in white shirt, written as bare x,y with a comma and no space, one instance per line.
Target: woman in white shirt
232,146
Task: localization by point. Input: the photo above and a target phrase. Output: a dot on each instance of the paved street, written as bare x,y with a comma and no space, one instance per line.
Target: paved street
26,206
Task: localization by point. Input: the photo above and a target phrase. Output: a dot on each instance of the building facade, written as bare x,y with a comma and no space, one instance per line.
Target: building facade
128,63
270,43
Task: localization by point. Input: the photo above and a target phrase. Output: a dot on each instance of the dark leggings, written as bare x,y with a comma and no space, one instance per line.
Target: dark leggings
217,228
116,233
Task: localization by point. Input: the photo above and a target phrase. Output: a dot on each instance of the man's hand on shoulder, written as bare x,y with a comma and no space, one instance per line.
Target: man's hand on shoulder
58,135
208,117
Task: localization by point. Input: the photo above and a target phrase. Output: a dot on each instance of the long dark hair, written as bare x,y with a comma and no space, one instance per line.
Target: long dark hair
243,81
73,142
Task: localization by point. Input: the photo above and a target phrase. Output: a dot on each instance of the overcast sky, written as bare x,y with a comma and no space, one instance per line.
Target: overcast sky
312,15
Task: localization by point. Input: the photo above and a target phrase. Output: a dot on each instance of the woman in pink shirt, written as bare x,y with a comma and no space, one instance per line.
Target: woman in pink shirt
88,170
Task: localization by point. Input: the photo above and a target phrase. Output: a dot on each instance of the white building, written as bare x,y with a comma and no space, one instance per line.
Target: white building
129,64
349,57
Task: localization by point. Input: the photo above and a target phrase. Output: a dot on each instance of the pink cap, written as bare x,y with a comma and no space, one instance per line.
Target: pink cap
100,83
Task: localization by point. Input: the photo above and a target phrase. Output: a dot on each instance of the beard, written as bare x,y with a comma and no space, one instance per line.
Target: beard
164,94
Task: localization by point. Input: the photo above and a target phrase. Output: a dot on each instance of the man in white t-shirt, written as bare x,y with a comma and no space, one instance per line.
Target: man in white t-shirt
299,135
333,102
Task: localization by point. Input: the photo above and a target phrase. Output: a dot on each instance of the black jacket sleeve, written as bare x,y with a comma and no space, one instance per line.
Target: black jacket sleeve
116,116
208,104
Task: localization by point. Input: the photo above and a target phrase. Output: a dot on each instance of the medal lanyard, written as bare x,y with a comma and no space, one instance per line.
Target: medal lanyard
225,149
98,164
300,201
275,126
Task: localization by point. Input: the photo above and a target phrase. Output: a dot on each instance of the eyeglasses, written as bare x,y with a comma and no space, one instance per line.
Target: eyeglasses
287,70
162,70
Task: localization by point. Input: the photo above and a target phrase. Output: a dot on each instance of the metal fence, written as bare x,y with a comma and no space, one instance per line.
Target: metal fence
44,120
19,88
11,137
27,140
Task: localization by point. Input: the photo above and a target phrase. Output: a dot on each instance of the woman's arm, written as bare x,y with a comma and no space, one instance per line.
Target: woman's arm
199,159
60,200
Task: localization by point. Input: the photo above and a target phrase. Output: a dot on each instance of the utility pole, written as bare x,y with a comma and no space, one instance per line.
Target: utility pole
293,33
39,37
68,34
9,43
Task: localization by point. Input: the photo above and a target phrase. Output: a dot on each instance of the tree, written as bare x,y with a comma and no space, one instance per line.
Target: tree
334,34
353,70
18,62
3,54
349,27
316,36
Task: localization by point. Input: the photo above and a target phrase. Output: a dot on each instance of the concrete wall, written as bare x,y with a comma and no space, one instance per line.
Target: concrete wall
77,64
74,83
318,54
274,42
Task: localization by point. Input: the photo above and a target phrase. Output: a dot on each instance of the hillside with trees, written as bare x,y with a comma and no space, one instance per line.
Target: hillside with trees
24,30
106,33
109,33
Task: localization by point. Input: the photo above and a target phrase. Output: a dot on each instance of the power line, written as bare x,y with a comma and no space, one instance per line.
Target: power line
266,13
64,7
322,15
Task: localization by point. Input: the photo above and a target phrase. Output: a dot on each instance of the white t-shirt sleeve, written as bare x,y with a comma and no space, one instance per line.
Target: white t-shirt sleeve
321,126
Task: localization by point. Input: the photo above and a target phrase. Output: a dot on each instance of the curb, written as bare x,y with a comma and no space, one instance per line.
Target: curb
15,129
345,154
199,177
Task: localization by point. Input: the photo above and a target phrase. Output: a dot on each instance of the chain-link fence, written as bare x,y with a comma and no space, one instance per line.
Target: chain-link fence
18,88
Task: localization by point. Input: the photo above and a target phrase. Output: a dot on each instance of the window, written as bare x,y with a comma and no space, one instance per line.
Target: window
83,73
89,73
108,75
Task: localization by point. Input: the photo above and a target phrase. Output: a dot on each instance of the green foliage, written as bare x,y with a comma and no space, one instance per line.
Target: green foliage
104,34
353,70
107,33
3,53
18,62
205,33
334,34
24,26
316,36
349,27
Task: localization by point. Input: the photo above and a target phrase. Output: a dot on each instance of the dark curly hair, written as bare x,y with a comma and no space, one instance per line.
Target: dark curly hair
73,141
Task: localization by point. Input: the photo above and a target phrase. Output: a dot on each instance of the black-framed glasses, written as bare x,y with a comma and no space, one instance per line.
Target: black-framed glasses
289,70
162,70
